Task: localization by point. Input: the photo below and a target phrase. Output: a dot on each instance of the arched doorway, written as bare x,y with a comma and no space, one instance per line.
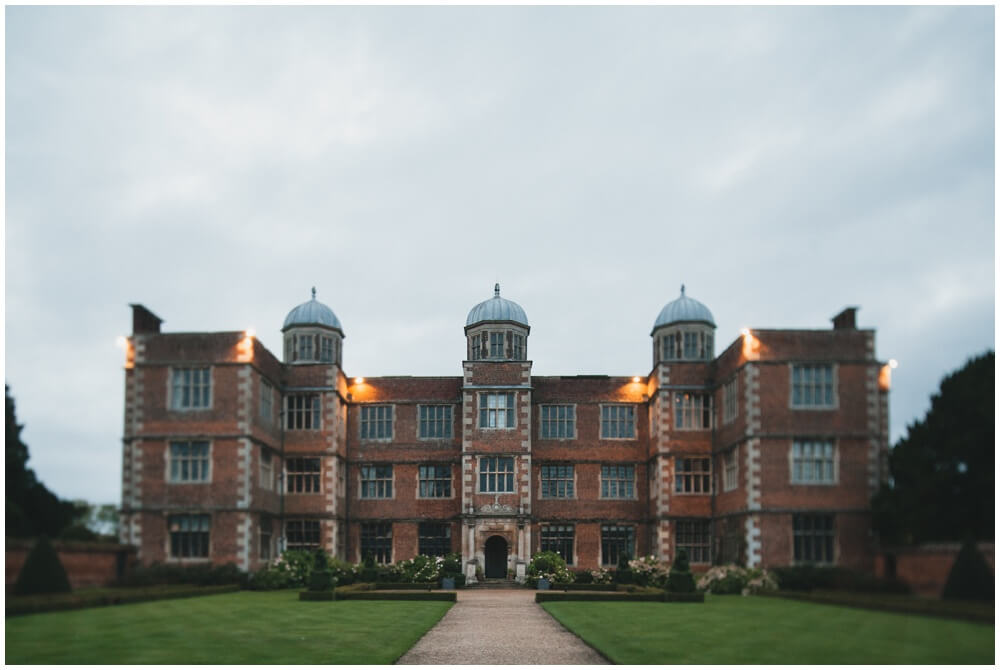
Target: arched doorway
495,551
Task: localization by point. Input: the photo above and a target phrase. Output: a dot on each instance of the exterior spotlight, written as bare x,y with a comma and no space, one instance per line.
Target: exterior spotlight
635,379
893,363
122,341
250,332
745,332
359,380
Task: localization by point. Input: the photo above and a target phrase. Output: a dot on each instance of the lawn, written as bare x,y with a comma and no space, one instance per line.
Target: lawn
737,630
242,628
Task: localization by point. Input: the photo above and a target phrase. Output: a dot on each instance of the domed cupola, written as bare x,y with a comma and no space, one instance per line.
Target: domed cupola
313,334
497,330
684,331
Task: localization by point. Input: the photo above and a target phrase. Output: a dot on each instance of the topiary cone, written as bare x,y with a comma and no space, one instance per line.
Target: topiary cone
42,572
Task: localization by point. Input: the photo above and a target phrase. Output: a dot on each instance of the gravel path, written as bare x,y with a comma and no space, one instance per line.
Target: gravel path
499,627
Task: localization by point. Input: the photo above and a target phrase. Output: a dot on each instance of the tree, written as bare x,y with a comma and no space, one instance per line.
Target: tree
31,508
942,471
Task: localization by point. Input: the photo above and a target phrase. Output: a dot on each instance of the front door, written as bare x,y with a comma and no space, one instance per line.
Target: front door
496,558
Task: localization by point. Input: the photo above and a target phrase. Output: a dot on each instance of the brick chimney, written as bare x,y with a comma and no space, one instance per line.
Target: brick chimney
144,321
846,320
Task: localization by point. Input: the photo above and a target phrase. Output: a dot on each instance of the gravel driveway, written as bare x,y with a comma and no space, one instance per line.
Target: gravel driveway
499,627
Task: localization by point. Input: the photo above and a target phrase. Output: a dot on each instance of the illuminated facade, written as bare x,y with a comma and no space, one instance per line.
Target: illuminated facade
765,454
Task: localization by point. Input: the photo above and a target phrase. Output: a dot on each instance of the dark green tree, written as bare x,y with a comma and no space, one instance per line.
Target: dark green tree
941,484
42,571
680,579
970,577
31,508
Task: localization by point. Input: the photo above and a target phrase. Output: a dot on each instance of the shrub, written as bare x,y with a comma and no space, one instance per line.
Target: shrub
680,579
343,572
42,571
970,577
200,575
831,578
582,577
648,571
602,576
321,578
551,566
419,570
732,579
623,575
368,571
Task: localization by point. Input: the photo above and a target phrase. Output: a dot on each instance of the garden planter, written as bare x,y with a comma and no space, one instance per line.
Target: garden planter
448,583
543,585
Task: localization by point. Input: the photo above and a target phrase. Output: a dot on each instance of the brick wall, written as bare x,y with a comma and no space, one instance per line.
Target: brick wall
926,567
86,563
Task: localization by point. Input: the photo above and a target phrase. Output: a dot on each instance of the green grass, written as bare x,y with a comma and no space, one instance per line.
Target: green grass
737,630
249,627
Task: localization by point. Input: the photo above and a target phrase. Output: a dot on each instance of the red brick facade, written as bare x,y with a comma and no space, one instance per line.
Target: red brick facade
766,454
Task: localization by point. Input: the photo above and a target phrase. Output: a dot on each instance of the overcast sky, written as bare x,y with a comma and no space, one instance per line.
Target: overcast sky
215,163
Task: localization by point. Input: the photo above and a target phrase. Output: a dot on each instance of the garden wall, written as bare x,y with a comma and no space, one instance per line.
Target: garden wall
86,563
925,567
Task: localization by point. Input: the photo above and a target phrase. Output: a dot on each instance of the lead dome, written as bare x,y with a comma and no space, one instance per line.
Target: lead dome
497,330
313,334
684,310
684,331
497,309
312,313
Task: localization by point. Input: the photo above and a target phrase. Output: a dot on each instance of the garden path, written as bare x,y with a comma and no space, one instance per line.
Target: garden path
499,627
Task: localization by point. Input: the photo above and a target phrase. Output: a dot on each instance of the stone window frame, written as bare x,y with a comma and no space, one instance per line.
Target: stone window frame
434,481
497,473
730,470
609,533
695,536
672,344
302,477
618,481
265,540
177,387
379,532
266,469
204,460
375,481
607,420
305,417
311,346
447,422
731,400
370,423
827,406
560,534
568,482
303,530
688,478
568,421
428,542
485,410
805,534
189,544
689,406
266,406
831,463
511,338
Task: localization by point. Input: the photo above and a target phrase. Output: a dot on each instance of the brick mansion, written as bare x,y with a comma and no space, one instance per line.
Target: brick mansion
766,453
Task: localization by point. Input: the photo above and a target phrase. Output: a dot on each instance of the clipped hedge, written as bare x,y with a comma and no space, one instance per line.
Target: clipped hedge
834,578
203,574
949,609
104,597
447,596
580,596
583,587
427,586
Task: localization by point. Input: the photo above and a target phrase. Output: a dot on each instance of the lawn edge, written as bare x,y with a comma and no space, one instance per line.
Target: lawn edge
572,632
